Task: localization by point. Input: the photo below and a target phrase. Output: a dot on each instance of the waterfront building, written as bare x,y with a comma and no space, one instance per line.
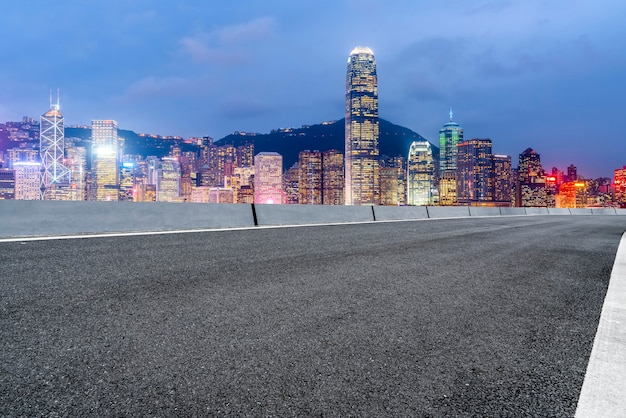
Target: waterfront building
22,155
7,184
291,181
332,178
168,180
76,162
474,172
449,136
531,188
27,184
361,129
268,174
105,152
55,174
420,174
619,186
310,178
503,190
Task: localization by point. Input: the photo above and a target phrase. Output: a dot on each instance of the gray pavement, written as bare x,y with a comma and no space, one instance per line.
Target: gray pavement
457,317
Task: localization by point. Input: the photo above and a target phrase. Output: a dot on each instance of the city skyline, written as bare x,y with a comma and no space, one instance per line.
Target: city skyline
525,75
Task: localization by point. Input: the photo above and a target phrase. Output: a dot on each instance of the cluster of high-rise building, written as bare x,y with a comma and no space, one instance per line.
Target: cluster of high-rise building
459,172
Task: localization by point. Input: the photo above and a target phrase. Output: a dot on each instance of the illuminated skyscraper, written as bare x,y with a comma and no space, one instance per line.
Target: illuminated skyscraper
420,174
76,161
619,185
291,182
105,151
531,184
310,178
332,178
27,186
503,190
449,136
268,178
474,172
392,180
168,180
52,147
362,130
7,184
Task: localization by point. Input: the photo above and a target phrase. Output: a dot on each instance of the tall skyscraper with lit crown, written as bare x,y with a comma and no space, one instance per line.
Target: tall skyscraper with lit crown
362,129
52,147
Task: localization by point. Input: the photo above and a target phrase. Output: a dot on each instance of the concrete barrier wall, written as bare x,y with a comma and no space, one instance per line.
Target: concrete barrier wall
536,211
21,218
580,211
603,211
448,211
482,211
400,213
558,211
268,215
37,218
512,211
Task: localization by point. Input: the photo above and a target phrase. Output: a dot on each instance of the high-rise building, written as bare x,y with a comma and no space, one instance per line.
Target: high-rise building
22,155
531,183
7,184
268,176
503,190
27,185
168,180
392,179
619,186
572,172
332,178
310,178
572,194
474,172
449,136
55,174
105,151
420,174
291,182
76,162
362,129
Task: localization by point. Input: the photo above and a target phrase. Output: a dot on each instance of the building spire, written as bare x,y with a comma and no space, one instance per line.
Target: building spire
450,113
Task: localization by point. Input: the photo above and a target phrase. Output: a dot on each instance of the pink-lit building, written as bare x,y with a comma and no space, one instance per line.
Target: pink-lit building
268,178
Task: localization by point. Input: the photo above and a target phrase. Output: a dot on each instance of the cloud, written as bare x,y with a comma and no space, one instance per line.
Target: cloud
165,87
228,45
243,32
198,50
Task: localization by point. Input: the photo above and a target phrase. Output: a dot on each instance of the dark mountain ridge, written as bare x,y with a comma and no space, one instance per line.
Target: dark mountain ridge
394,140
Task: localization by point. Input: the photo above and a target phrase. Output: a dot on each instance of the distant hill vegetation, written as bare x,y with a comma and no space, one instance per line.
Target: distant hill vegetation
394,140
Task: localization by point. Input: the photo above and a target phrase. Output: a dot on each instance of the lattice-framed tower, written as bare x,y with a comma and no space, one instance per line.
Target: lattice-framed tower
52,148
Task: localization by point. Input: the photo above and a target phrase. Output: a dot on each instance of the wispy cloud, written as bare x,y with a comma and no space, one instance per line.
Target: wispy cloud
227,45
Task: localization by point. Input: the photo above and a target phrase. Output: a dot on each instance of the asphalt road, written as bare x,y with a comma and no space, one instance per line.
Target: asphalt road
467,317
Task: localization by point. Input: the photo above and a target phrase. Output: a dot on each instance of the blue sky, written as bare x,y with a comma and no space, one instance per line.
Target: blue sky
544,74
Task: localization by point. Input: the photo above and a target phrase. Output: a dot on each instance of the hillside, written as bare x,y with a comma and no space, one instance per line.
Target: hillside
394,140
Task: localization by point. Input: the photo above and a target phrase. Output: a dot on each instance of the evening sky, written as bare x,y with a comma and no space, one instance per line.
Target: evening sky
549,75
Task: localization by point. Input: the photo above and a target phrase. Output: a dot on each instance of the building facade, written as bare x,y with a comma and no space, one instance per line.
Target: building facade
449,137
362,129
268,178
474,172
420,174
55,175
105,156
